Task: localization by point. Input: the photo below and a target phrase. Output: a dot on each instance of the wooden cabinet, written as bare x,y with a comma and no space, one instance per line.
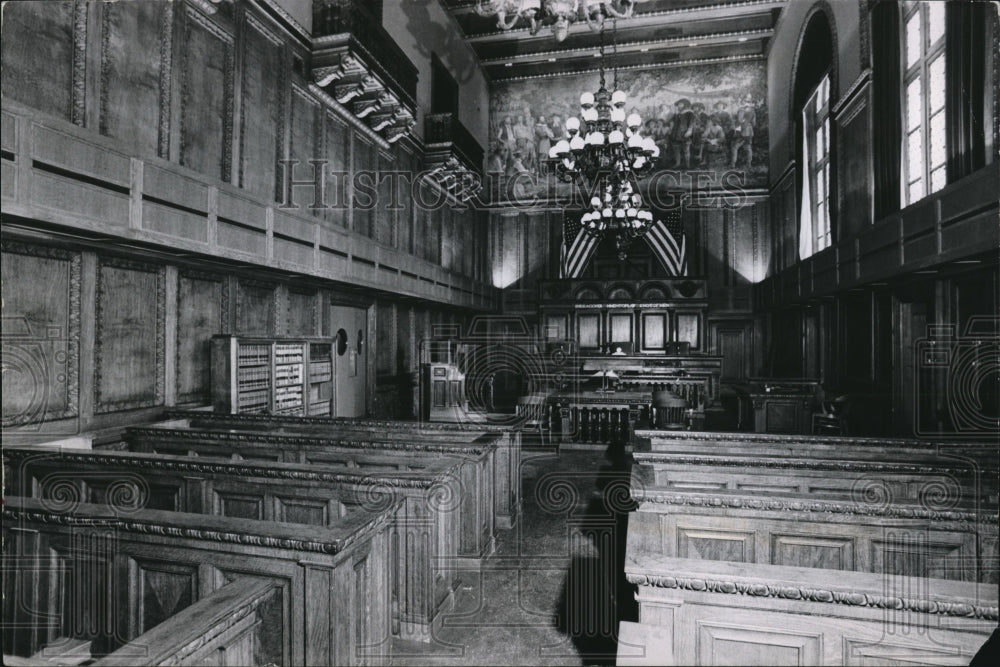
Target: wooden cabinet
277,376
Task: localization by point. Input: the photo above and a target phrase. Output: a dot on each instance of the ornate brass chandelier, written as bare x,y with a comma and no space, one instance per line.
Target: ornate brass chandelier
559,14
605,153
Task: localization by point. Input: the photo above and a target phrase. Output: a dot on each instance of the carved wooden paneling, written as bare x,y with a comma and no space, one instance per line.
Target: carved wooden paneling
589,331
303,314
135,74
206,88
129,337
364,200
41,333
833,553
262,110
654,331
306,133
39,55
910,553
853,177
385,343
256,308
337,150
724,545
239,506
724,643
202,312
164,589
299,510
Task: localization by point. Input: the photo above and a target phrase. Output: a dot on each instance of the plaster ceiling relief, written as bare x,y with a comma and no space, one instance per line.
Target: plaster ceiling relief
659,32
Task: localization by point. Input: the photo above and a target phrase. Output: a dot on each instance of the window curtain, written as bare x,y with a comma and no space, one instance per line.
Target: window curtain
966,76
806,234
888,111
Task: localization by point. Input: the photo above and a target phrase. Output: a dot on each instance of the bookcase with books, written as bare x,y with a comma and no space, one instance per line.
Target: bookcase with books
272,375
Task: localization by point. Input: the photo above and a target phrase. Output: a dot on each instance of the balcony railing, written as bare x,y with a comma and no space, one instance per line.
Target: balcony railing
359,64
444,132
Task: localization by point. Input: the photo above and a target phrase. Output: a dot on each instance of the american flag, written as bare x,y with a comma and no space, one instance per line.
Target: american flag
577,247
666,238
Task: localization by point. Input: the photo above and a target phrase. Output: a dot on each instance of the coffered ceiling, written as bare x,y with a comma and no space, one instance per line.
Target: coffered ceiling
660,32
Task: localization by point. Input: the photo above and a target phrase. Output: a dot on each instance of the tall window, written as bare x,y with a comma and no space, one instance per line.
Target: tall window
814,232
925,138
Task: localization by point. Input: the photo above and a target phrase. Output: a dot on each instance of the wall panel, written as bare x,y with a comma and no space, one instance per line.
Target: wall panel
135,80
41,333
262,112
256,308
202,312
39,55
206,87
129,336
303,315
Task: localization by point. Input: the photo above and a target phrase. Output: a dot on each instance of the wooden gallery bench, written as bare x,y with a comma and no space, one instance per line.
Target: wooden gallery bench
507,482
109,574
760,530
477,454
425,526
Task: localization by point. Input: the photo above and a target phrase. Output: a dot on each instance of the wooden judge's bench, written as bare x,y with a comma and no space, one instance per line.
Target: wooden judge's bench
630,338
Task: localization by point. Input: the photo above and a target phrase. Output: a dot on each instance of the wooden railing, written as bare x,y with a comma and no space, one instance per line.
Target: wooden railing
225,628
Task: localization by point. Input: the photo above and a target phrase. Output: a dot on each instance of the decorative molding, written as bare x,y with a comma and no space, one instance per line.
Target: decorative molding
960,519
73,316
186,465
148,527
255,437
864,33
166,78
105,9
80,11
762,588
159,270
364,422
856,93
782,463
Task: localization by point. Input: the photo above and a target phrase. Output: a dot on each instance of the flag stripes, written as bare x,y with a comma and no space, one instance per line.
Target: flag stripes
666,238
577,247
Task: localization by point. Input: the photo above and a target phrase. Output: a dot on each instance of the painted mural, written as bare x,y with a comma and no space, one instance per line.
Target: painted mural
704,118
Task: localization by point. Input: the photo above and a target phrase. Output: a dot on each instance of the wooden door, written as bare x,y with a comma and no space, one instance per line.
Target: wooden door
350,329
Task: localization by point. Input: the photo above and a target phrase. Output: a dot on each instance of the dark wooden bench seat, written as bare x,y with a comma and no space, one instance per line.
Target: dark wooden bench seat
425,526
109,573
507,483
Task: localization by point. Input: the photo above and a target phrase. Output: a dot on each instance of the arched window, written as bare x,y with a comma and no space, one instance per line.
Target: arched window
816,160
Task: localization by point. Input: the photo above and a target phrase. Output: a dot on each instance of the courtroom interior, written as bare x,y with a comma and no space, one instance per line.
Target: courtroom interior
421,332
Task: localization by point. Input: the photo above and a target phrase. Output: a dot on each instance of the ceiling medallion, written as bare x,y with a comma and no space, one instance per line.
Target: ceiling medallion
605,153
559,14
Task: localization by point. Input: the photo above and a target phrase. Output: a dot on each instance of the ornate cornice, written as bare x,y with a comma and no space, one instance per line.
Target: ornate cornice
813,440
760,588
960,519
253,437
148,527
234,468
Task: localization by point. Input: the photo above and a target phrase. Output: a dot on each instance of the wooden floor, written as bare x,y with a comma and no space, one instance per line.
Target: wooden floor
547,597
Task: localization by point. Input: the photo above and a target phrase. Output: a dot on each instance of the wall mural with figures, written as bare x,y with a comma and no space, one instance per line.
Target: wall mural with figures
704,118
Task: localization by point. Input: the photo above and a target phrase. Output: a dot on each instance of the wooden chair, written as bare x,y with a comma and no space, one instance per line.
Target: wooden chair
831,419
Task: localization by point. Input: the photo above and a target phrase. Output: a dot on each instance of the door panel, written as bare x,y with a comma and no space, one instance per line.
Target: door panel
350,328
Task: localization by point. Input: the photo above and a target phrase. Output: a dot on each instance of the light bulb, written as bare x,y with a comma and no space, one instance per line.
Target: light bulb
631,213
577,143
595,202
635,141
618,98
620,214
561,147
618,116
656,151
606,213
572,124
554,152
596,138
590,115
616,137
639,163
587,100
648,145
634,120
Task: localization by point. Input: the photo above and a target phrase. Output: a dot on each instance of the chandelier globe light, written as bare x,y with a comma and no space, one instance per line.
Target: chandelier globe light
604,150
